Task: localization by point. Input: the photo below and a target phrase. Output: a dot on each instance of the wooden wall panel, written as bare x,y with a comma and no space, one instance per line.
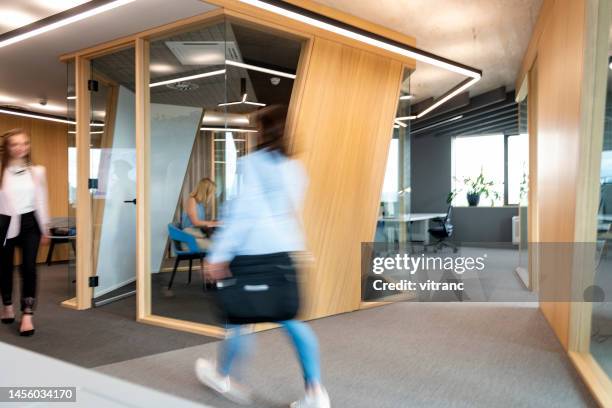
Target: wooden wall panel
49,149
342,129
562,94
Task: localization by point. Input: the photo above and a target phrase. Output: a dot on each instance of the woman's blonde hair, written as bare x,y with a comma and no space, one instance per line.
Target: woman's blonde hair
204,192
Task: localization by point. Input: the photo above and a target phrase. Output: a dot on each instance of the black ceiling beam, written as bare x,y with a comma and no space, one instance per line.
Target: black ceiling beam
467,120
495,128
477,103
460,129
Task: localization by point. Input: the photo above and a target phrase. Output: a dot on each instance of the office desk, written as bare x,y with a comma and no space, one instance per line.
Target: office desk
419,224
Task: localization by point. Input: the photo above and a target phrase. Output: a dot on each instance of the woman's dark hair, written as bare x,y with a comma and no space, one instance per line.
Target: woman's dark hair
5,156
271,122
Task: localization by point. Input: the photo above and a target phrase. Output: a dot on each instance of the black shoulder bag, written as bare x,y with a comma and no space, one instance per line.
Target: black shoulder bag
262,288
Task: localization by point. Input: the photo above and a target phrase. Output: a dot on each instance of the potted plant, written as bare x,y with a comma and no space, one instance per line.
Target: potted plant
479,186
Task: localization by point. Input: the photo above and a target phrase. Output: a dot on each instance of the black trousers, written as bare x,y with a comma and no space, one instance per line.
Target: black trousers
28,240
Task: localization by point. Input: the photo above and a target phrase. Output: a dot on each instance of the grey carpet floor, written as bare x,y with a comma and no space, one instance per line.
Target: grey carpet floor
92,337
400,355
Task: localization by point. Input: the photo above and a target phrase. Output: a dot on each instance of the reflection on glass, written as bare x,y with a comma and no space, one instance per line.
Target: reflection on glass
203,97
394,210
394,227
601,326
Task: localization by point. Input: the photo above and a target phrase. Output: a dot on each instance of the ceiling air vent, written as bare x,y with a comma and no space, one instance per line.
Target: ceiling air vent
204,52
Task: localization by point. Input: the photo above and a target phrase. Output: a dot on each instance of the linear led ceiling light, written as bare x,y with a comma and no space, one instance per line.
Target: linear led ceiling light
346,30
62,19
188,78
35,116
260,69
237,130
243,101
406,97
25,114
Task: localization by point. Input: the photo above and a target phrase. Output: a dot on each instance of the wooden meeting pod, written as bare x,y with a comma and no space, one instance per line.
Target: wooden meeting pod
340,122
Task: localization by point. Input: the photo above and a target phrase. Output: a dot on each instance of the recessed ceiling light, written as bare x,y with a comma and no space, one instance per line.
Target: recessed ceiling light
64,22
161,68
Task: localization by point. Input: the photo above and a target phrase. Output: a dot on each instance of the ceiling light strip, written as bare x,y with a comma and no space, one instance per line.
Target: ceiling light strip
35,116
188,78
326,23
237,130
400,123
449,95
22,35
260,69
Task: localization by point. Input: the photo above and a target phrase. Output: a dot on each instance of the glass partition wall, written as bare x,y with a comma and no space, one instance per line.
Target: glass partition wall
68,224
206,85
601,323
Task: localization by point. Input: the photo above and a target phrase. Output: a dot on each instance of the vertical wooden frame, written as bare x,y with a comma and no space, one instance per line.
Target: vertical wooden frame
143,148
83,211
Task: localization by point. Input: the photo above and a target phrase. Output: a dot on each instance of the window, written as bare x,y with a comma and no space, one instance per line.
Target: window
391,183
475,155
518,168
94,165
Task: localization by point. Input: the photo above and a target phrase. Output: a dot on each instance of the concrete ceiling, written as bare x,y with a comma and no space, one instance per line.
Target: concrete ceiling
491,35
30,70
15,14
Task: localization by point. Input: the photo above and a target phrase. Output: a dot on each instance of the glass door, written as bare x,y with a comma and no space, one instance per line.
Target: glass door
112,176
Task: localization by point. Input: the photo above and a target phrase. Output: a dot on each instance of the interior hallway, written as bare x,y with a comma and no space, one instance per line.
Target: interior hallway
401,355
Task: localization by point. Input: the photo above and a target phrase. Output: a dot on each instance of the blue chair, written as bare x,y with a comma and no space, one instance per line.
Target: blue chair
178,237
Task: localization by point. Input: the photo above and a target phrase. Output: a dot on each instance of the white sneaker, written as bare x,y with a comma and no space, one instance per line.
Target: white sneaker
209,376
318,400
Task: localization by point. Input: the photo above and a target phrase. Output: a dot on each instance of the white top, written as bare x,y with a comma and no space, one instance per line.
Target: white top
15,198
263,218
18,182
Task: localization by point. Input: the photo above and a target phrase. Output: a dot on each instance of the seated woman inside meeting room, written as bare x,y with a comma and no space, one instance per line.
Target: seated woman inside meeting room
197,206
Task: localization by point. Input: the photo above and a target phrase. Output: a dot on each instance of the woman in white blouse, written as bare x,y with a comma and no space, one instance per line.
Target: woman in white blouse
24,222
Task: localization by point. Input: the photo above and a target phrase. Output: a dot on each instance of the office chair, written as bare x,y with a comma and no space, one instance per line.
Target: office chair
178,237
442,232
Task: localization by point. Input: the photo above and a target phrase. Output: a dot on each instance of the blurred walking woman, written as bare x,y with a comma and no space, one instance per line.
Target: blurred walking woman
259,232
23,222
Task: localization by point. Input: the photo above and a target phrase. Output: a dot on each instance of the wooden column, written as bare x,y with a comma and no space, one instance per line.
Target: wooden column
83,212
342,126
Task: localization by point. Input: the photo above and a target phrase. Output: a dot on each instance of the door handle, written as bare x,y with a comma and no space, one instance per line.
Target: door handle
130,201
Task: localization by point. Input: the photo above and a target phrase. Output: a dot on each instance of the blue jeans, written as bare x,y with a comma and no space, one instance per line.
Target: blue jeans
236,346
